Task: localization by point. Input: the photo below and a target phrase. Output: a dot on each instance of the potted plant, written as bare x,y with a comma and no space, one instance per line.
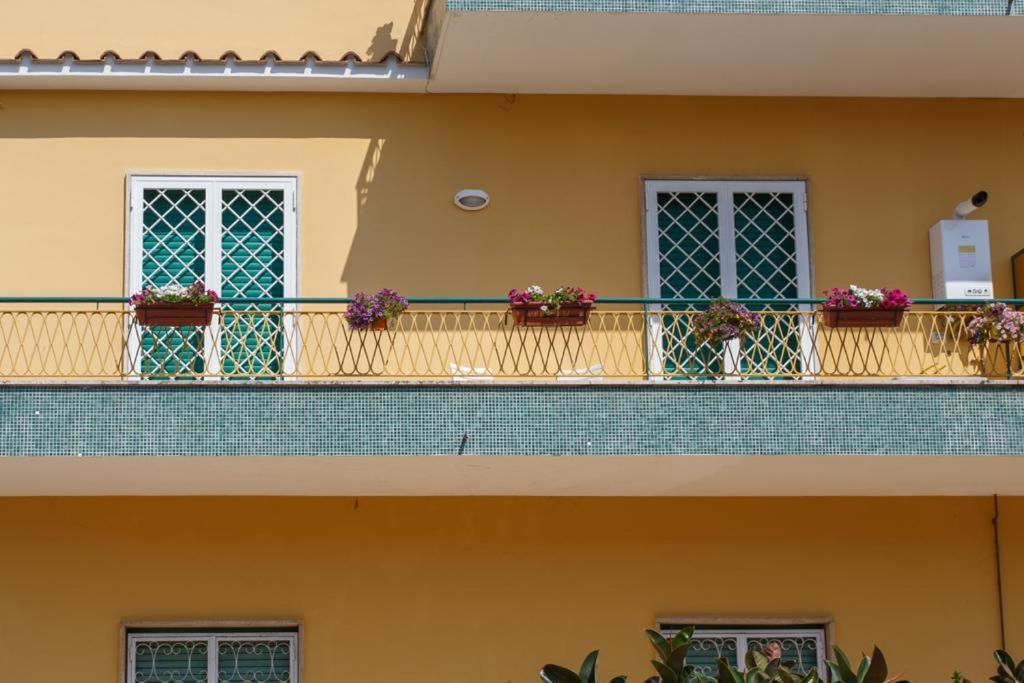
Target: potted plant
724,321
997,323
373,311
174,305
566,306
859,307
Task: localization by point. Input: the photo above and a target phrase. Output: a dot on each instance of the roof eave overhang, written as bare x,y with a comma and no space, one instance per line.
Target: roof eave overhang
228,74
728,54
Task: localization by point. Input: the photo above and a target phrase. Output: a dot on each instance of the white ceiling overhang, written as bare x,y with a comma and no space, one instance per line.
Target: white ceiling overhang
673,53
624,475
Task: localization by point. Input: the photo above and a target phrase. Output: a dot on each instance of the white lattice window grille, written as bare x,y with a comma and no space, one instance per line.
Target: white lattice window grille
182,656
802,646
734,239
238,236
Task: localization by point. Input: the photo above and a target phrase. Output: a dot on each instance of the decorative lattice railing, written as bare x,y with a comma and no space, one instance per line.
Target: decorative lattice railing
476,341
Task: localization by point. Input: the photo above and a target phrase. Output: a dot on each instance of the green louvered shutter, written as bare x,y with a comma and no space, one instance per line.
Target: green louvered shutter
236,235
708,239
236,657
254,661
801,652
173,252
767,268
252,266
689,267
704,653
170,661
802,647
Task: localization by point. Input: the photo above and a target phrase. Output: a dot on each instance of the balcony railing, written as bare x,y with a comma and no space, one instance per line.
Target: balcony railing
473,340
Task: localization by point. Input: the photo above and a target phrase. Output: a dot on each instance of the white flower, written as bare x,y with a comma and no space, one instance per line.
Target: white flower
544,307
868,298
535,290
170,290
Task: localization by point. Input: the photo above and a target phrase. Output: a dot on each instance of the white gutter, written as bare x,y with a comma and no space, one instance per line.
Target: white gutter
230,73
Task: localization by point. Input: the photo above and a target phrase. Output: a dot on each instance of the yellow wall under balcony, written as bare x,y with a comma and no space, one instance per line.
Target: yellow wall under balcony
471,590
378,174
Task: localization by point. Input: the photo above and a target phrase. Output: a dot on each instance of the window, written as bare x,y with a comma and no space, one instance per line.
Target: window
238,236
238,656
734,239
802,645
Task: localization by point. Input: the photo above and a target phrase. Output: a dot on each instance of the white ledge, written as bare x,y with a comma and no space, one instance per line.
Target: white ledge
309,75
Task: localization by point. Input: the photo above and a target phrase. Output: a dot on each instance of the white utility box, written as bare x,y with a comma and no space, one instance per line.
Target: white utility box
961,261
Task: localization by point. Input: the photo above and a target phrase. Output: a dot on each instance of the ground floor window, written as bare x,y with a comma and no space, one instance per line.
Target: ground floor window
218,656
803,645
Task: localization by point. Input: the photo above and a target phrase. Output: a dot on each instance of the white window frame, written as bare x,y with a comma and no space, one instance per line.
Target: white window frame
213,184
213,637
743,634
724,190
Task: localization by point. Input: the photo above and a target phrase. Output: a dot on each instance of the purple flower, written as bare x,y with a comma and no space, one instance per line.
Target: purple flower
724,321
554,300
366,309
998,323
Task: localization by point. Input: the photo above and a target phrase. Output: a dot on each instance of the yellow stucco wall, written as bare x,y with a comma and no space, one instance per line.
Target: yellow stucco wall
249,27
378,173
489,589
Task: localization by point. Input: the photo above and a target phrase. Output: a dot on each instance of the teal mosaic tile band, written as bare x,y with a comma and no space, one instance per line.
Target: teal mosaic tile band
236,419
939,7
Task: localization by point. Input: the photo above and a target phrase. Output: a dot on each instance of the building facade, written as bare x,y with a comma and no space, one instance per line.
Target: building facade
274,496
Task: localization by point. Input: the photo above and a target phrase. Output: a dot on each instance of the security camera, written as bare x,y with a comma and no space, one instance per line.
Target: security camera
969,206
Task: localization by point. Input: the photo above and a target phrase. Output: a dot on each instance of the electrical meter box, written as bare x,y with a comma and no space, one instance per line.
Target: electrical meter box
961,262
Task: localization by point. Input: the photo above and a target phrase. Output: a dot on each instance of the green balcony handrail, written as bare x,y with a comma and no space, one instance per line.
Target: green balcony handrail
648,301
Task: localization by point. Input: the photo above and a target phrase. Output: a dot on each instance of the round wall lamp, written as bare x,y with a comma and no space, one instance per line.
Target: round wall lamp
472,200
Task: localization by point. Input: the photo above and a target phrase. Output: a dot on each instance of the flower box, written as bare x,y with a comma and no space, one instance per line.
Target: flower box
859,307
174,315
862,317
539,314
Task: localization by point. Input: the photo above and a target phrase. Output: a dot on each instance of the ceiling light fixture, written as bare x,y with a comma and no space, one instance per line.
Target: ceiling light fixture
472,200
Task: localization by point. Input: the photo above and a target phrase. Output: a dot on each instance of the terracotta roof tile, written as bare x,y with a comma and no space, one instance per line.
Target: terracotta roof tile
229,54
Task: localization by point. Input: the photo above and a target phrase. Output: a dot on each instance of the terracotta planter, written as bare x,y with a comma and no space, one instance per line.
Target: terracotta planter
174,315
862,317
568,315
379,324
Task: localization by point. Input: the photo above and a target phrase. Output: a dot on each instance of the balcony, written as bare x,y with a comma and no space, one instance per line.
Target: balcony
809,48
475,341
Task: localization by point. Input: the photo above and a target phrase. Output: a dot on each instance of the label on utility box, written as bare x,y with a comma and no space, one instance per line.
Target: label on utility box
980,292
968,254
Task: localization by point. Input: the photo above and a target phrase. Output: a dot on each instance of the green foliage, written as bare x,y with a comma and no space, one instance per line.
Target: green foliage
1008,671
871,669
671,662
759,667
552,673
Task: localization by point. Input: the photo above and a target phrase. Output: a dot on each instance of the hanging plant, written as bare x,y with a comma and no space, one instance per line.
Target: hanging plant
997,323
723,321
373,311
